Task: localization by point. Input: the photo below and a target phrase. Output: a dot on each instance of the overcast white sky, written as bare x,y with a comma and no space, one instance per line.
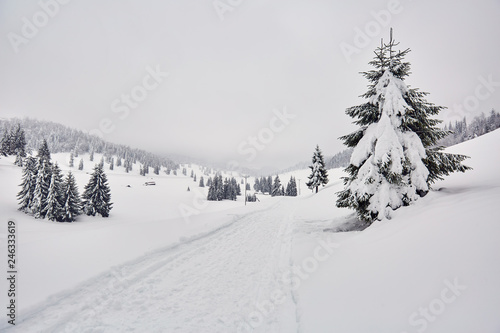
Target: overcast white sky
228,78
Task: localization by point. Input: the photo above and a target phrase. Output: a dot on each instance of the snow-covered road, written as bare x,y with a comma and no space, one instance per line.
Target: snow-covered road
227,281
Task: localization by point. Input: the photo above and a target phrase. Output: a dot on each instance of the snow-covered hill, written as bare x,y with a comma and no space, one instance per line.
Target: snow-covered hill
168,260
433,268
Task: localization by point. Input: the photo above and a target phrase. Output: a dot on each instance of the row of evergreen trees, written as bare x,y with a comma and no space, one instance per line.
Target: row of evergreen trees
317,178
228,188
64,139
274,187
13,142
279,190
219,189
462,130
263,184
45,194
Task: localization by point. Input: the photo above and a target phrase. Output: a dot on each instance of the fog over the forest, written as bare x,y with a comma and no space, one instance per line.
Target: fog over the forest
252,82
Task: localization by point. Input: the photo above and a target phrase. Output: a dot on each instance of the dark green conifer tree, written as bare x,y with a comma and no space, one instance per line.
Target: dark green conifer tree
96,195
395,157
26,195
276,189
71,199
44,152
319,175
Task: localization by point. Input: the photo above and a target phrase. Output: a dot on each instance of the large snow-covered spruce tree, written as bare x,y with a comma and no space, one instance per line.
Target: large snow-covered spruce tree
395,157
96,195
319,175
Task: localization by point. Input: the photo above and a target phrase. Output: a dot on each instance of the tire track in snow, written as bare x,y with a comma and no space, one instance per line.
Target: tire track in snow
207,284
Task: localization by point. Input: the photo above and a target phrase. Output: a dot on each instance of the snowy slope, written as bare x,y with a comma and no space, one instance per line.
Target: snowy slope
433,268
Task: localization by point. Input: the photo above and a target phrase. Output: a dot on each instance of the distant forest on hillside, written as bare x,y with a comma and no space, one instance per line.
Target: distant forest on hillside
61,138
64,139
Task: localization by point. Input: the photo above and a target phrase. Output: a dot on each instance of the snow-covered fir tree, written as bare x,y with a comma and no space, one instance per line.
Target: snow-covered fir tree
276,189
19,141
71,199
54,203
19,160
28,184
18,145
319,175
229,191
42,184
43,151
269,184
5,143
71,160
13,142
257,186
202,182
260,184
395,157
127,165
96,195
236,186
53,208
291,187
80,165
112,164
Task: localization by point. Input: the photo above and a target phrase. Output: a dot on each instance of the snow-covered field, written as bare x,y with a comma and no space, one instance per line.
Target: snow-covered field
435,267
166,260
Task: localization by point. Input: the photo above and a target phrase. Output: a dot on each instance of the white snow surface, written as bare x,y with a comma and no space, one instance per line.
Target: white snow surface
271,266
